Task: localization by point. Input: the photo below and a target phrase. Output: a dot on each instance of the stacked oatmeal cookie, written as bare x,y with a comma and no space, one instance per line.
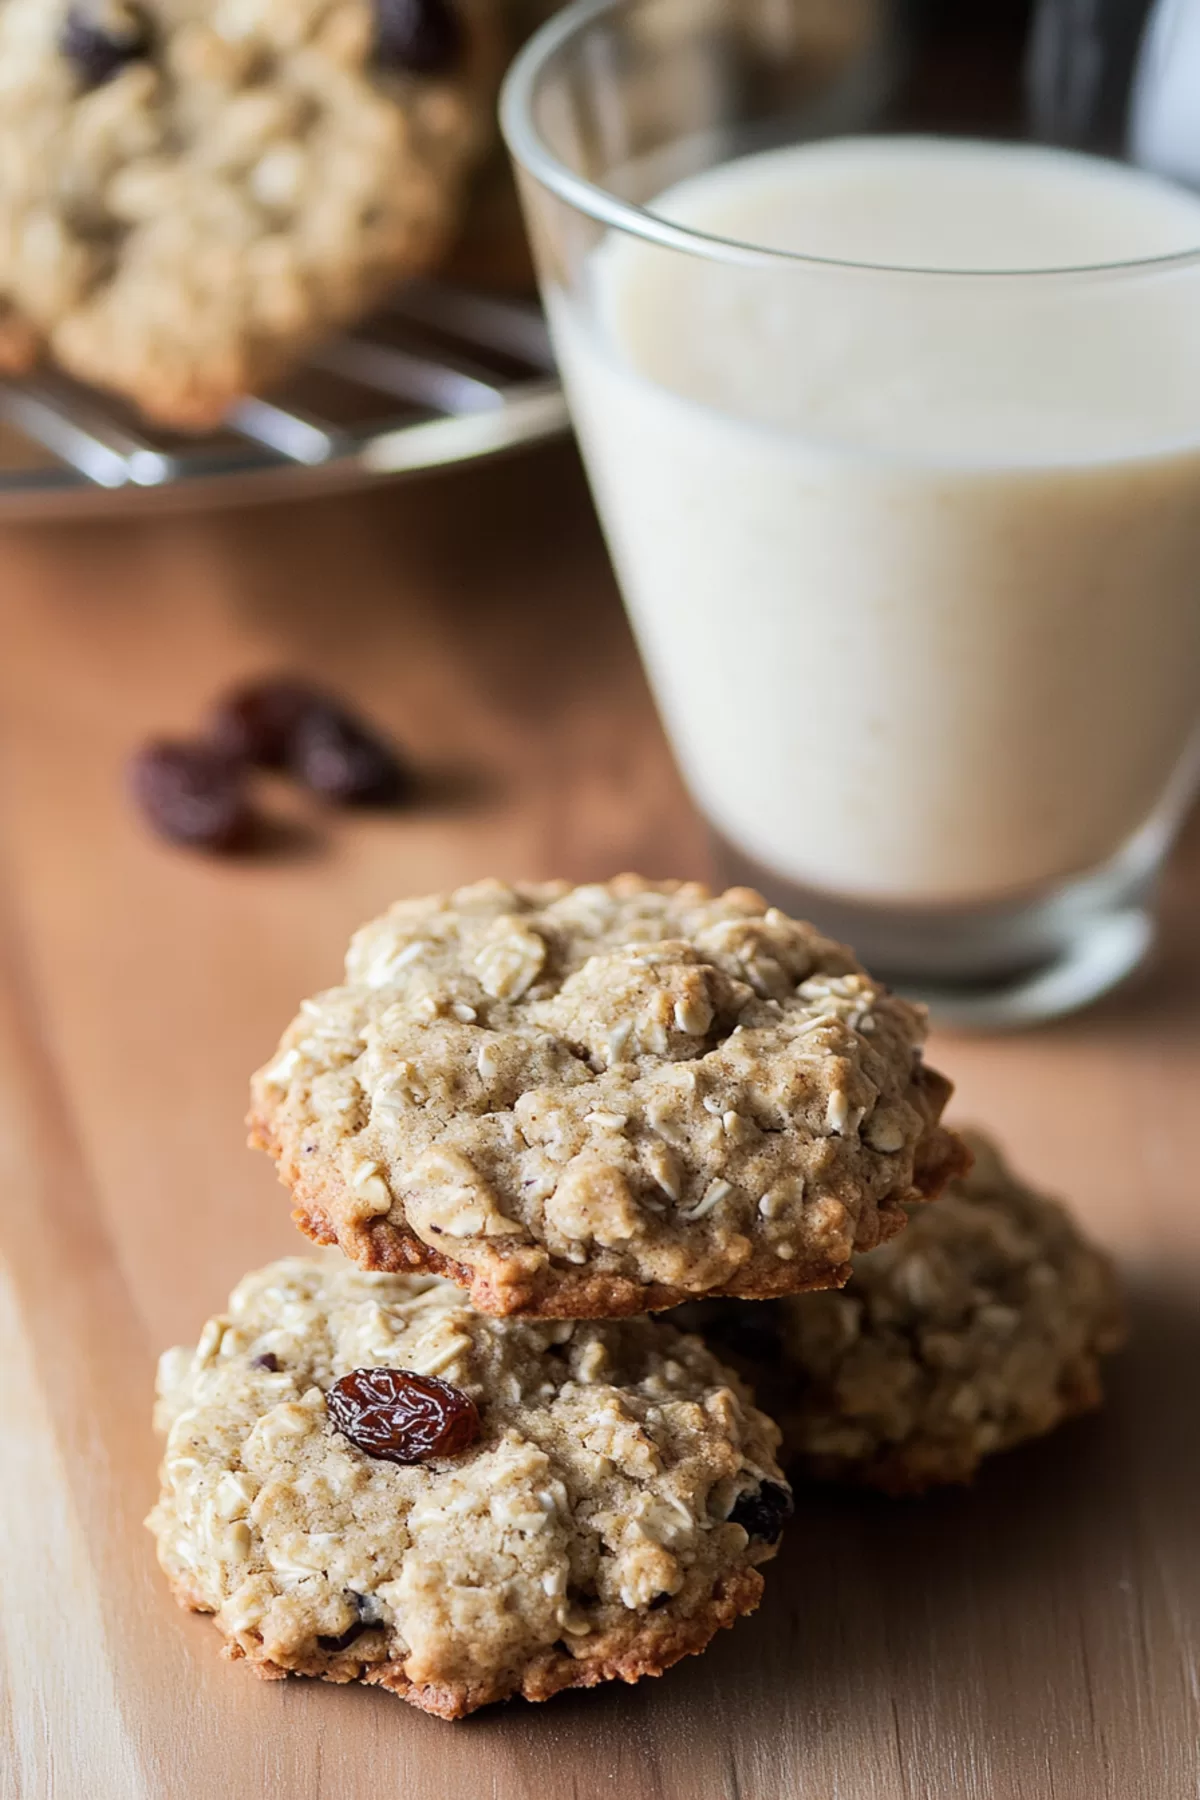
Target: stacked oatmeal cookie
468,1462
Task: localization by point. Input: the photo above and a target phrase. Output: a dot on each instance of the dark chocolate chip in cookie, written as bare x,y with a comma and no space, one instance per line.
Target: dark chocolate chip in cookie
100,36
763,1512
367,1614
419,37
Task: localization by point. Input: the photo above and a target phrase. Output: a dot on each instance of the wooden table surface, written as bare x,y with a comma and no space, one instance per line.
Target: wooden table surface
1036,1637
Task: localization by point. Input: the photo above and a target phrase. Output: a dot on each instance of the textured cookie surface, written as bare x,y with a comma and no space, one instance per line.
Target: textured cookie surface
586,1102
590,1533
980,1327
193,190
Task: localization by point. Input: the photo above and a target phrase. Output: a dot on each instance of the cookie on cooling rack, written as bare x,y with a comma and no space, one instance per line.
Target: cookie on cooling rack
190,195
595,1101
366,1481
981,1326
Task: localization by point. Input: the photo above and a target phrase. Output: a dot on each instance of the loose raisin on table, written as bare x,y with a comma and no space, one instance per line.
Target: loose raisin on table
192,794
402,1417
257,721
420,37
339,758
763,1512
99,37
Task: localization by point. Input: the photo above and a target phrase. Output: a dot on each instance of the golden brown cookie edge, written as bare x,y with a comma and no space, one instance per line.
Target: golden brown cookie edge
648,1646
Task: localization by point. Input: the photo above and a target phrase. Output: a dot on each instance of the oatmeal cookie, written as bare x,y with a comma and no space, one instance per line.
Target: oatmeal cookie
587,1102
607,1519
980,1327
192,191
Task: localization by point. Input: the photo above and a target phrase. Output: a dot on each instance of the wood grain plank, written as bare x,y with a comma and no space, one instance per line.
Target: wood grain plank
1038,1637
52,1631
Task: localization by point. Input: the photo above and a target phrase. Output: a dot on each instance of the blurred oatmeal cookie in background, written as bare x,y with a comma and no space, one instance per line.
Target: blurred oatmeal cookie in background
193,191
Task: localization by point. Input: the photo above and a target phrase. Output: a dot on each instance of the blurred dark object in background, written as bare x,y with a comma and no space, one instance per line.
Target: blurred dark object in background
971,68
1080,72
1114,77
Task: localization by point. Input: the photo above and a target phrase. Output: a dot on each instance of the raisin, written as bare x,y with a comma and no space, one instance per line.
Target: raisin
285,723
99,37
763,1511
367,1613
401,1417
192,794
420,37
340,759
257,721
268,1360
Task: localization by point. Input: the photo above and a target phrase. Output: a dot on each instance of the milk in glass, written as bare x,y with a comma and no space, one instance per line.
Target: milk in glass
913,557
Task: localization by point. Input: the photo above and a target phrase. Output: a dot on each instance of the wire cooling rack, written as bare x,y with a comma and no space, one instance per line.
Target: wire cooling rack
442,375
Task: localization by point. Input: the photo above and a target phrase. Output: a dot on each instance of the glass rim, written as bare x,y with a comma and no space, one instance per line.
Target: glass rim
530,151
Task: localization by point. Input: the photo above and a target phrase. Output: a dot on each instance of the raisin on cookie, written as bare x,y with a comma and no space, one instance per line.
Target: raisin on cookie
193,191
594,1101
980,1327
597,1507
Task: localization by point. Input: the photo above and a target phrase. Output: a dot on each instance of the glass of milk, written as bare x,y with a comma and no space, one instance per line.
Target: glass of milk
894,431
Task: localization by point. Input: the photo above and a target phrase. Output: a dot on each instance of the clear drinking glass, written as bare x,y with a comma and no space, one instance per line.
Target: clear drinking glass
894,429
